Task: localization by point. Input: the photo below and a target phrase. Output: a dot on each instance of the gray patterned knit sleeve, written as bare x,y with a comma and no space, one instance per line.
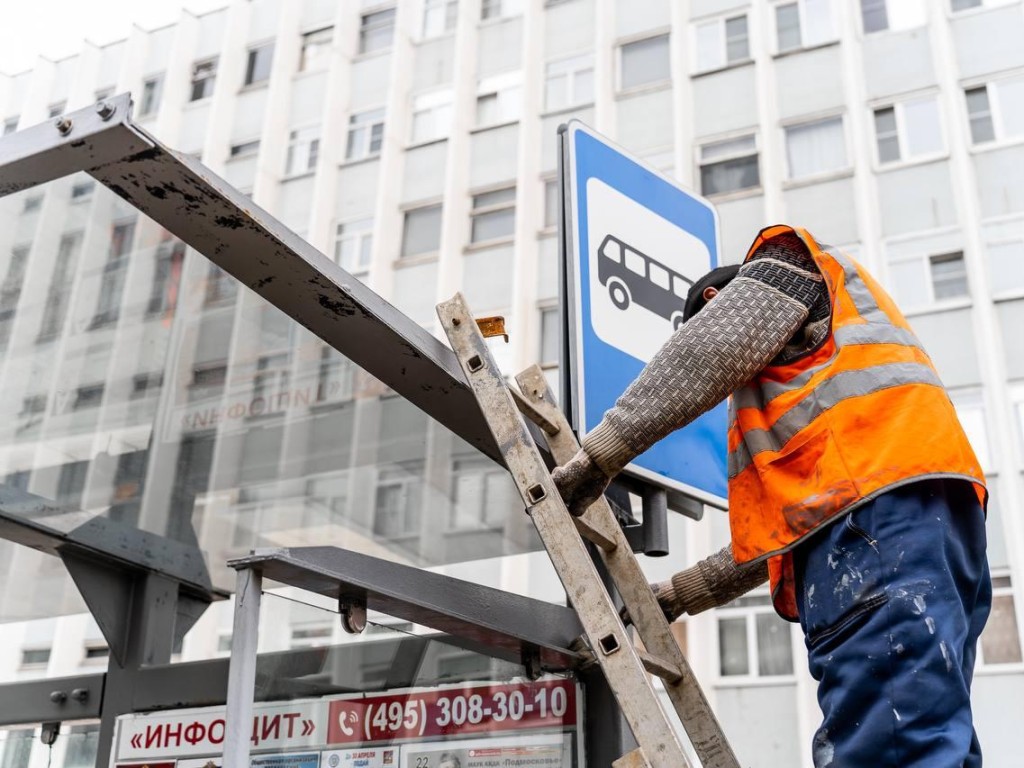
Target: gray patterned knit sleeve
717,351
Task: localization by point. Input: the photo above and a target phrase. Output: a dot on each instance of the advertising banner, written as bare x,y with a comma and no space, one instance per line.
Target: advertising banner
530,724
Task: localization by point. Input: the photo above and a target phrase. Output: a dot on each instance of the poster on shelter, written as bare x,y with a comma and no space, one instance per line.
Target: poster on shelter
363,757
507,752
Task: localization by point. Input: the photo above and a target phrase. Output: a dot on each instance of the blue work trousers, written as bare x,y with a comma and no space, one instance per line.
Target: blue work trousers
892,599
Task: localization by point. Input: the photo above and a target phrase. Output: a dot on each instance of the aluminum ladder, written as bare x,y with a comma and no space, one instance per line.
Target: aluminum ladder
625,667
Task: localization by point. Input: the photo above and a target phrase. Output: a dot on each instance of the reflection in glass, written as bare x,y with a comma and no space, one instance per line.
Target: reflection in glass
167,399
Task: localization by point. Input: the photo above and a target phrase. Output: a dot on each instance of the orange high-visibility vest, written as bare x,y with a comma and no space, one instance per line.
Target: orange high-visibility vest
858,416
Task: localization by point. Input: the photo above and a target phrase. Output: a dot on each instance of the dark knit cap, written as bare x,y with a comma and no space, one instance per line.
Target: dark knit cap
716,278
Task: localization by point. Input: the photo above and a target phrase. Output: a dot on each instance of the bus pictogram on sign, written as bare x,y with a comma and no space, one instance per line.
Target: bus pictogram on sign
632,276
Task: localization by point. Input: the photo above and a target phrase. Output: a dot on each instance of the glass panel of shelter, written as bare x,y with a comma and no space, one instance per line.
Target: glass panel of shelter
198,412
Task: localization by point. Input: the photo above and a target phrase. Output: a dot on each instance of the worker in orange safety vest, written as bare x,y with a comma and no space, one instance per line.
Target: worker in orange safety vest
852,488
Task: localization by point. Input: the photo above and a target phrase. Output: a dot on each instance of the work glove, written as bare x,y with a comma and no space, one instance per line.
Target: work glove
580,482
686,592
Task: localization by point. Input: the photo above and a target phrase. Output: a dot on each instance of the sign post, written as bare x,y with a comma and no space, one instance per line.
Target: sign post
634,242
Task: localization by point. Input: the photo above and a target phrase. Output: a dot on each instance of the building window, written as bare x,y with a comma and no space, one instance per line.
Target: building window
60,287
335,381
397,501
498,101
431,116
752,640
353,246
82,190
493,215
923,280
551,206
816,148
17,747
311,635
221,287
439,17
908,130
422,231
1005,265
996,110
163,293
303,150
722,42
245,149
376,30
1000,640
88,397
365,135
569,82
10,125
257,67
802,24
96,651
498,9
152,90
963,5
57,109
316,49
483,494
880,15
146,384
644,62
108,304
729,166
35,657
10,291
204,75
71,483
550,333
970,410
32,203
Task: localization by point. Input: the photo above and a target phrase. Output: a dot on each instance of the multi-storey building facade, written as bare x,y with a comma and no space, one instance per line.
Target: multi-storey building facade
415,143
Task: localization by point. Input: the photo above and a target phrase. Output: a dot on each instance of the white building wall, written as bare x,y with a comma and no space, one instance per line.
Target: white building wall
968,197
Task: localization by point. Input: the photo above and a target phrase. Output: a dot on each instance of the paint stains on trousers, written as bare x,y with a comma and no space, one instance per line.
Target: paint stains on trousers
892,599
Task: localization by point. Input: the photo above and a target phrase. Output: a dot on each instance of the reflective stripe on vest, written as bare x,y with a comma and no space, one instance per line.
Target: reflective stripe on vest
828,394
877,329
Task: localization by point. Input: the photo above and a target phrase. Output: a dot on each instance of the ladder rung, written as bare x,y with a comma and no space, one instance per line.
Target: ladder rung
530,411
595,534
634,759
666,670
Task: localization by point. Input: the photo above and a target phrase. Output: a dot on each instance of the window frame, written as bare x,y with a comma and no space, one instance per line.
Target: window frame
449,23
356,124
506,89
750,613
403,256
506,9
620,51
932,304
804,45
1002,294
571,76
700,164
921,6
432,102
10,125
311,37
902,135
312,150
721,21
999,589
209,80
813,178
360,236
150,98
486,210
1000,137
251,63
363,28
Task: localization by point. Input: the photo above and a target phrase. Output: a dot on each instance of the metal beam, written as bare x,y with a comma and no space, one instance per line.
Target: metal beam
491,621
37,522
45,152
52,699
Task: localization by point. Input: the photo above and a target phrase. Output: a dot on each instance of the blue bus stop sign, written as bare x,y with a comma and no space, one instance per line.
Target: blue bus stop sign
635,241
